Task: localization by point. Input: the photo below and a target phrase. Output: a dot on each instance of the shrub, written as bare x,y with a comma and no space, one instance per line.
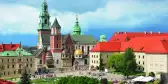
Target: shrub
104,81
152,74
77,80
156,82
122,82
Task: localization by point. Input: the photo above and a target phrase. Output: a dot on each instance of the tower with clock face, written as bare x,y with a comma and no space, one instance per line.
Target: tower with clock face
44,30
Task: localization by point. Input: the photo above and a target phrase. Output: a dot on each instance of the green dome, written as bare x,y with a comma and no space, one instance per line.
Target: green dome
77,28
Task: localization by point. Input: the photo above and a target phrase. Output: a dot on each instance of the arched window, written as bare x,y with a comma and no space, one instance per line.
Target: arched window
45,21
57,61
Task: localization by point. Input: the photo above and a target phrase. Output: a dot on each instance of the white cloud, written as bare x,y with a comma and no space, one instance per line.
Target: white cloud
24,19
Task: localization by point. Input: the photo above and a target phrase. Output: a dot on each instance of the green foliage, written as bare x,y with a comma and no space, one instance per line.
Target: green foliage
124,63
156,82
115,61
122,82
152,74
77,80
149,83
25,78
129,62
101,64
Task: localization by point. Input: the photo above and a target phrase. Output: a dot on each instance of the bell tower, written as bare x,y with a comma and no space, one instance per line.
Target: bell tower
44,25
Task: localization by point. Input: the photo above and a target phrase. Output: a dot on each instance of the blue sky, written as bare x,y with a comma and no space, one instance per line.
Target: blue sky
19,18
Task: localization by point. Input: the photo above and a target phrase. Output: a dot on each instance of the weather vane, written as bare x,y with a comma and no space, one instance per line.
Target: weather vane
76,18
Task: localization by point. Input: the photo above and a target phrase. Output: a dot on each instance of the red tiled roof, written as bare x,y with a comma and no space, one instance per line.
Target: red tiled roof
152,44
9,47
121,36
106,47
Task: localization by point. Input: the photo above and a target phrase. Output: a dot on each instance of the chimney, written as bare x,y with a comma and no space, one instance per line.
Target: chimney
11,44
158,32
125,32
144,32
151,32
118,32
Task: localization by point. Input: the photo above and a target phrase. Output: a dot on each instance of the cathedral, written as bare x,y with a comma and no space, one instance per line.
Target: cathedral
57,50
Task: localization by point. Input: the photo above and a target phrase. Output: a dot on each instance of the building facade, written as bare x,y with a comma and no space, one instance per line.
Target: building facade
60,47
150,50
13,59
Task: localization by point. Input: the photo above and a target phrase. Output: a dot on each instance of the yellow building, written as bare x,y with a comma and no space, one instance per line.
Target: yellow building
13,59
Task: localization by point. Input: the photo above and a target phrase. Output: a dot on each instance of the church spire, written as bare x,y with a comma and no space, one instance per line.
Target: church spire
44,18
76,29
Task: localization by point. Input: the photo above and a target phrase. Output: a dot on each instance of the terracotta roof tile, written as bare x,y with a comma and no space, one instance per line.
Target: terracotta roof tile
146,44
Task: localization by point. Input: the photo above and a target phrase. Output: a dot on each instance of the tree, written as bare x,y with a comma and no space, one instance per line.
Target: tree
129,62
25,78
115,61
101,64
152,74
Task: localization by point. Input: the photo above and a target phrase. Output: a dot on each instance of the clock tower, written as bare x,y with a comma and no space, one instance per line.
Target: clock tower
44,30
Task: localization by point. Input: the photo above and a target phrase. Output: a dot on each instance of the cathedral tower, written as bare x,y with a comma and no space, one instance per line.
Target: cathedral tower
44,26
76,29
55,38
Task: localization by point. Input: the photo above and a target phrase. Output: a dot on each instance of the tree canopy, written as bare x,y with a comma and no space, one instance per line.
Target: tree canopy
77,80
123,62
25,78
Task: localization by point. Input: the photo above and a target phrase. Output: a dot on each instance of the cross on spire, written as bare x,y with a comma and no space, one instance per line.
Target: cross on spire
76,18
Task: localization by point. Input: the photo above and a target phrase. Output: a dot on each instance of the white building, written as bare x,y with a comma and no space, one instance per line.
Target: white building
150,49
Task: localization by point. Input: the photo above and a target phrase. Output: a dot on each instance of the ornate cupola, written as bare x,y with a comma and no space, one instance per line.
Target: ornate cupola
76,29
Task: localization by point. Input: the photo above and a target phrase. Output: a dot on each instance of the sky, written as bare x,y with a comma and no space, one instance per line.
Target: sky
19,18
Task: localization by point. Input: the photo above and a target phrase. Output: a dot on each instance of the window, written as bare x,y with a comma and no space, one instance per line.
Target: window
82,48
97,56
13,60
8,73
139,68
76,47
85,61
8,60
143,57
13,66
143,62
107,56
88,48
19,60
2,60
8,66
57,61
45,21
92,61
143,69
14,72
97,62
4,73
31,59
139,56
57,46
92,56
27,59
40,61
139,62
27,65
